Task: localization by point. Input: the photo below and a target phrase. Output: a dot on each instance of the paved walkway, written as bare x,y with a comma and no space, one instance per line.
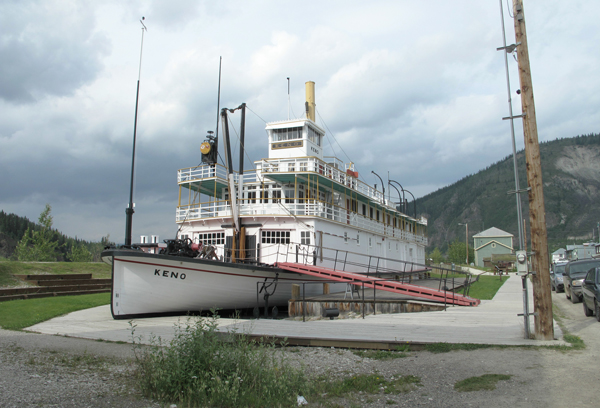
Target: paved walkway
492,322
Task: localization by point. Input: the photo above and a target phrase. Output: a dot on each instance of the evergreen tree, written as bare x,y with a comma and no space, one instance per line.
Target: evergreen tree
39,245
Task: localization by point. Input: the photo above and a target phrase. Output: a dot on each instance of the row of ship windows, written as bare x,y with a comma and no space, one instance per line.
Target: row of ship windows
295,133
275,237
288,197
267,237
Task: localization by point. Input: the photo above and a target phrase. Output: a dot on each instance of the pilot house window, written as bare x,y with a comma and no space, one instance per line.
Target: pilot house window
287,134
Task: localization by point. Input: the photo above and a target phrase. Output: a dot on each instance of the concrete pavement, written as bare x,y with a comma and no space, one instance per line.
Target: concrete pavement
492,322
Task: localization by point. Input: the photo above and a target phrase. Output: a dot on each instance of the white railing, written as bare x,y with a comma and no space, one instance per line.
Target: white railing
308,208
291,165
203,171
315,165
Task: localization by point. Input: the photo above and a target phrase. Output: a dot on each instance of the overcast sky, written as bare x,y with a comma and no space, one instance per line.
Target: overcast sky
415,88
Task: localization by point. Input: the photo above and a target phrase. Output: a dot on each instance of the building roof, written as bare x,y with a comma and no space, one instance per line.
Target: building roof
493,232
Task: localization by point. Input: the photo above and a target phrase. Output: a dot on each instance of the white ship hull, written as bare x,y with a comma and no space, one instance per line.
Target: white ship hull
148,284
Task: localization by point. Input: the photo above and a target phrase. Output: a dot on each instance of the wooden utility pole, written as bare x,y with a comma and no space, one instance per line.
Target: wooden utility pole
542,297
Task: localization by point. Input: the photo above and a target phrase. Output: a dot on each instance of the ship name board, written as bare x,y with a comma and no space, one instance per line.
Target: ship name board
286,145
171,274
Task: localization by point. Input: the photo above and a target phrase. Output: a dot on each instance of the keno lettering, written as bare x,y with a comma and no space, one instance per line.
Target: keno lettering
169,274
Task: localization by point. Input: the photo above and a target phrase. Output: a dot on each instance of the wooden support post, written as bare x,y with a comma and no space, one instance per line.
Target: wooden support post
326,288
295,291
544,324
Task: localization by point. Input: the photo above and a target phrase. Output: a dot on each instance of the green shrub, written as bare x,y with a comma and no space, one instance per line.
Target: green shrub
203,367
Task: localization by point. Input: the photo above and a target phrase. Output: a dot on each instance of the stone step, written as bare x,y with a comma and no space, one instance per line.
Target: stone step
51,294
46,289
55,277
71,282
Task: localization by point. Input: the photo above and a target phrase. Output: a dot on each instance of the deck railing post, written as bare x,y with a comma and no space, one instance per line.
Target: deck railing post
369,266
304,301
445,289
297,249
335,261
374,299
363,299
257,302
453,294
345,259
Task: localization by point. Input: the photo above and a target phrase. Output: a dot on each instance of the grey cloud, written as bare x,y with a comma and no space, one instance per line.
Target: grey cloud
47,49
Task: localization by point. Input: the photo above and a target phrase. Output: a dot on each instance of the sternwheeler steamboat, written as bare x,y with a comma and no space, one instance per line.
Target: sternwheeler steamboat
297,205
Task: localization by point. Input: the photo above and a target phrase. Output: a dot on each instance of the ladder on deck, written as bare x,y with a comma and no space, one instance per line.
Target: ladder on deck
381,284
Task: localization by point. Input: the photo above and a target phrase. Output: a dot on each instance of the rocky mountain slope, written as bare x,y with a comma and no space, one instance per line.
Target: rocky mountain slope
571,176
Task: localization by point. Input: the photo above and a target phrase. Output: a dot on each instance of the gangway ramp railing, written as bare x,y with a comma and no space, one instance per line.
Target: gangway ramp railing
381,284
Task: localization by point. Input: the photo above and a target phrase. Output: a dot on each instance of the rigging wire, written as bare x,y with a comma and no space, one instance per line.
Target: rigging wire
247,107
341,148
508,9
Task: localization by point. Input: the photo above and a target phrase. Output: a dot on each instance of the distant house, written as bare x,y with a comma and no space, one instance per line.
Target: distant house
559,255
492,242
585,251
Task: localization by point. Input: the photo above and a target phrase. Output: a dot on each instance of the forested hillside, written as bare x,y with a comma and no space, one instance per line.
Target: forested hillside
571,176
13,228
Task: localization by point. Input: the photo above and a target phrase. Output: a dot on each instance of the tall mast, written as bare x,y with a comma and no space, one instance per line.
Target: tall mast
129,210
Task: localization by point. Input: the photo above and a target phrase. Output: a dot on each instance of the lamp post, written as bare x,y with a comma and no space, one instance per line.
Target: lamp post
401,198
382,185
466,240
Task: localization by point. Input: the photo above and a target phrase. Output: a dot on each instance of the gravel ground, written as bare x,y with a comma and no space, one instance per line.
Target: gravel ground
52,371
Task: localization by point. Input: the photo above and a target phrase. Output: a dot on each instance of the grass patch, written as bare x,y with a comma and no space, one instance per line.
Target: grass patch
364,383
576,342
18,314
448,347
99,270
400,352
484,382
486,287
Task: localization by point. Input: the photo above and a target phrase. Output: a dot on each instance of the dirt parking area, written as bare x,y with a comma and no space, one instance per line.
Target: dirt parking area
52,371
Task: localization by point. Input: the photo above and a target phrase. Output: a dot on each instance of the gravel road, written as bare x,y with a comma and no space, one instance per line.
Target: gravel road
52,371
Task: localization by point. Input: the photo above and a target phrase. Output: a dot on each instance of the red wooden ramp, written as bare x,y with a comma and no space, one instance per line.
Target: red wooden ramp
381,284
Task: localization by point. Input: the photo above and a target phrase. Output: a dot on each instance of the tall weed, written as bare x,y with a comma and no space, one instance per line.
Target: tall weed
203,367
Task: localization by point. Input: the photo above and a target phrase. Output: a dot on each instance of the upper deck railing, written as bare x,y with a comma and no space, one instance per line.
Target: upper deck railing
317,166
267,167
203,171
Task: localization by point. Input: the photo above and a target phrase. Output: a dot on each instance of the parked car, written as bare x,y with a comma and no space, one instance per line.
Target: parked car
556,277
591,293
574,275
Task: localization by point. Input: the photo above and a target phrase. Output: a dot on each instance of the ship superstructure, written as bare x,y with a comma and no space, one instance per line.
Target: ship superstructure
297,199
